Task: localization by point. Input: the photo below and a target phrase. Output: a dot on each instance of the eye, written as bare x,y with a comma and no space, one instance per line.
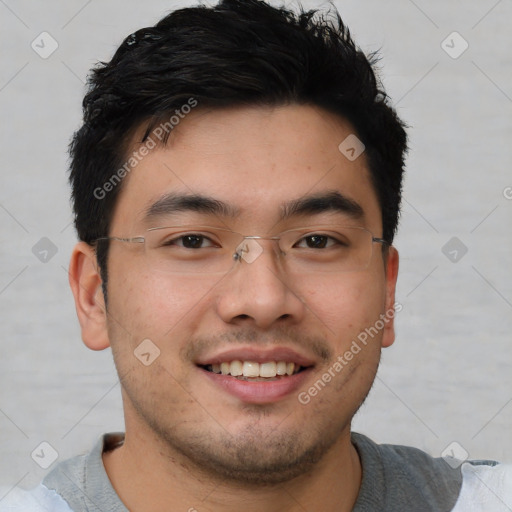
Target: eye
190,241
317,241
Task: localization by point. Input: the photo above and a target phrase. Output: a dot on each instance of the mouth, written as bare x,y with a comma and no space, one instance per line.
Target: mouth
255,376
252,371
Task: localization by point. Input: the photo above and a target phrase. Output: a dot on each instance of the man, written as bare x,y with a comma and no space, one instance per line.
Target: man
236,188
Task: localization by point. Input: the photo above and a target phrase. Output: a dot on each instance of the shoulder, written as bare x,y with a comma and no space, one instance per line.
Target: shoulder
405,478
82,480
39,499
485,488
408,464
67,487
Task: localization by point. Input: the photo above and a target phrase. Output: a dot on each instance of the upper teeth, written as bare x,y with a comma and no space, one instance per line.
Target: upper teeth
253,369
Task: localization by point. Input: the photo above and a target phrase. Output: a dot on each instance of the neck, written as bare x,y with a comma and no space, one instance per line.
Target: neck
148,475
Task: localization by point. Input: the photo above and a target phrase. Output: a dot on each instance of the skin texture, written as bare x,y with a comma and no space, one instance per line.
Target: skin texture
188,442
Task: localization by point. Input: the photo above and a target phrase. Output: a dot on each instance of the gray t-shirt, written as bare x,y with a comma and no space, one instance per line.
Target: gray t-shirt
395,479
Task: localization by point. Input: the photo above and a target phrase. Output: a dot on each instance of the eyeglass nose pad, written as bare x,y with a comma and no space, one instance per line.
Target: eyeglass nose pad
248,250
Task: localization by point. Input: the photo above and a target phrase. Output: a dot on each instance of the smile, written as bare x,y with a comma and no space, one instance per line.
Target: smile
254,371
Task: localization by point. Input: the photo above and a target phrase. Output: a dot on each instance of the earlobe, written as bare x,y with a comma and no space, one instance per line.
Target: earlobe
391,276
85,282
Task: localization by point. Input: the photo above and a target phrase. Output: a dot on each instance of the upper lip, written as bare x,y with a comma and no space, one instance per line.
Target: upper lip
258,355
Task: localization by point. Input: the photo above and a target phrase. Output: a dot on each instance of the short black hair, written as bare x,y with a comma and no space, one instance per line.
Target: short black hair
235,54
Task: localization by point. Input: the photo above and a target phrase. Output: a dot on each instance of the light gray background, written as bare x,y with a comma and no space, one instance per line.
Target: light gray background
447,378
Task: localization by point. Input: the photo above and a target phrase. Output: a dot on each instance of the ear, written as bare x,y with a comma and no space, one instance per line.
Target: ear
388,336
85,282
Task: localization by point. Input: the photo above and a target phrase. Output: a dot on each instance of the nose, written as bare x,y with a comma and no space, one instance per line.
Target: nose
257,291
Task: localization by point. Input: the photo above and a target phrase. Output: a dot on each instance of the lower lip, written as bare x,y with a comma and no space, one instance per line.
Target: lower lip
259,392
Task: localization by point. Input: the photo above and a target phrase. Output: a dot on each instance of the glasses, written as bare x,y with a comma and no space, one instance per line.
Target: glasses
215,250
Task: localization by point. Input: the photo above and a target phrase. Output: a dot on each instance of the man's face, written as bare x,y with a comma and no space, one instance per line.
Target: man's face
255,161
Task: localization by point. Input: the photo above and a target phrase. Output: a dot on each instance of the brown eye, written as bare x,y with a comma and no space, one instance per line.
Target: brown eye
316,241
190,241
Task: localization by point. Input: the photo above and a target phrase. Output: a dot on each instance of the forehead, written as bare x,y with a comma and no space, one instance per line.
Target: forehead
253,159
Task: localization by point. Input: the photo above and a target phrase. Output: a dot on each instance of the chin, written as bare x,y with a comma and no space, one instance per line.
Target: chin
255,457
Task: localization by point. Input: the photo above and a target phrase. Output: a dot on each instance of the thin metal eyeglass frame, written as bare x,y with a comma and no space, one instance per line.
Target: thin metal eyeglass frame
236,255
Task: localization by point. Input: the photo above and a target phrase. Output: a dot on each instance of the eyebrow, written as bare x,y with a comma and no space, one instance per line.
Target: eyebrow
174,203
322,203
334,201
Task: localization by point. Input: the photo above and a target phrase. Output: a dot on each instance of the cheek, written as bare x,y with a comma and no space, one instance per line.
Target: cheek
165,311
153,305
349,304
